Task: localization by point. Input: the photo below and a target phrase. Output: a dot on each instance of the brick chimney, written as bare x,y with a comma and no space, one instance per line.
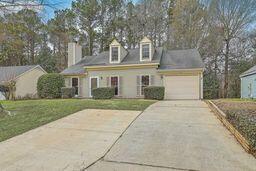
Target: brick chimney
74,53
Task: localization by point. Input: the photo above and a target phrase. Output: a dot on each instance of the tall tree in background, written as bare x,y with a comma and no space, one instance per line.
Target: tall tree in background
31,36
87,14
61,30
188,24
233,16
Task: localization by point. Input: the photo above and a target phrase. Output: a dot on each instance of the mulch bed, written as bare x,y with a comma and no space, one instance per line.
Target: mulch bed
242,115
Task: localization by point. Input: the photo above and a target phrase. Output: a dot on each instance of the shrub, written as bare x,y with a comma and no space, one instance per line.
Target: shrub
103,93
68,92
49,85
245,124
154,92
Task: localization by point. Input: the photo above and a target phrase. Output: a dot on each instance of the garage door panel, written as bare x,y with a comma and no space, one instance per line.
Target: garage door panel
181,87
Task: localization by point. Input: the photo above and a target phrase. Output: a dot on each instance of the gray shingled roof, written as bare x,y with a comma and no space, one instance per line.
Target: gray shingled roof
181,59
174,59
249,72
10,72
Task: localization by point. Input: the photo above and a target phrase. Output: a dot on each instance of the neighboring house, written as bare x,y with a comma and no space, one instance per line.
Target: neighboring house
248,83
129,71
25,77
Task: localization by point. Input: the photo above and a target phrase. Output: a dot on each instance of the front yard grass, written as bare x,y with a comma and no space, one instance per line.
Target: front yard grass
241,113
29,114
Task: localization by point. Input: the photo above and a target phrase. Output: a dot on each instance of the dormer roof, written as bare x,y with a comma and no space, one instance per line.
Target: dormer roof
115,43
145,40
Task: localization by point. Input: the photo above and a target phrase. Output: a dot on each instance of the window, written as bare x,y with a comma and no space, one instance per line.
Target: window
75,85
114,81
144,83
145,51
114,54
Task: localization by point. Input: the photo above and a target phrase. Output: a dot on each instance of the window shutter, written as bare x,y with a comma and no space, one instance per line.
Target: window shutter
152,80
79,86
138,85
108,82
120,84
70,82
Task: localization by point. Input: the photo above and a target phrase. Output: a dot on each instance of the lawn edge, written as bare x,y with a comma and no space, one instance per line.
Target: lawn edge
222,117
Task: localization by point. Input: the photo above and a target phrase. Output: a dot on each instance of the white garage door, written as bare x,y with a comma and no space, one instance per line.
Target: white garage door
182,87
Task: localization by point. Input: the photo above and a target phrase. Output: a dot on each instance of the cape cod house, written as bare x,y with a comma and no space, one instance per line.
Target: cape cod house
130,70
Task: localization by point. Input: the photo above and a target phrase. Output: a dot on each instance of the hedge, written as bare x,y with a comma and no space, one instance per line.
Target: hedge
103,93
49,85
245,124
154,92
68,92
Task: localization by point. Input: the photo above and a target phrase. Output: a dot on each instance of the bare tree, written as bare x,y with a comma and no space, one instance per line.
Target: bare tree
233,16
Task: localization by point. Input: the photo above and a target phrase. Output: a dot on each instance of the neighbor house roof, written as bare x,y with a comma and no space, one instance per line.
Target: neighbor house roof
167,59
249,72
11,72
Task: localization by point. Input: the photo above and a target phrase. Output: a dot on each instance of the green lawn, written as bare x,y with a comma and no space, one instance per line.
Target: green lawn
29,114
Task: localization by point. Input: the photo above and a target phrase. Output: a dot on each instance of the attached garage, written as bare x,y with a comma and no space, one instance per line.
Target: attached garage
182,74
182,87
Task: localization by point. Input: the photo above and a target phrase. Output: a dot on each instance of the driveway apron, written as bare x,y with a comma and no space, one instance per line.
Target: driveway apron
177,135
68,144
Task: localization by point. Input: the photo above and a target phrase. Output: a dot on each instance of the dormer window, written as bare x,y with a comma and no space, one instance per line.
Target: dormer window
145,52
114,54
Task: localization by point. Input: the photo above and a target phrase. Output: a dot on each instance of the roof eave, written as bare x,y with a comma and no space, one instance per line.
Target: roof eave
247,74
182,69
73,74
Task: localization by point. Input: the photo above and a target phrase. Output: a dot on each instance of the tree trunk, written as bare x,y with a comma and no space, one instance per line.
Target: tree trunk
91,39
226,73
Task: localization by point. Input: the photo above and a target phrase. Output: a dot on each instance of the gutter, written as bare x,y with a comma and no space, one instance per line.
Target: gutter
102,67
175,70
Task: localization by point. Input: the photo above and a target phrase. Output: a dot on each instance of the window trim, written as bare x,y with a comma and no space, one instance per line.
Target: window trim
150,51
98,84
110,54
118,78
78,83
141,82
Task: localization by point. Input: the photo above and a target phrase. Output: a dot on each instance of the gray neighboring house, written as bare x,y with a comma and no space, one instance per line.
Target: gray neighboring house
130,70
248,83
25,76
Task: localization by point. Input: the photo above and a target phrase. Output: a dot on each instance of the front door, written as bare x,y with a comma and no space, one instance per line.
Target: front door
94,83
115,84
75,85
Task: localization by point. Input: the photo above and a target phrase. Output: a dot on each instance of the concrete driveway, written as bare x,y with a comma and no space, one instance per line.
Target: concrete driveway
71,143
176,135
